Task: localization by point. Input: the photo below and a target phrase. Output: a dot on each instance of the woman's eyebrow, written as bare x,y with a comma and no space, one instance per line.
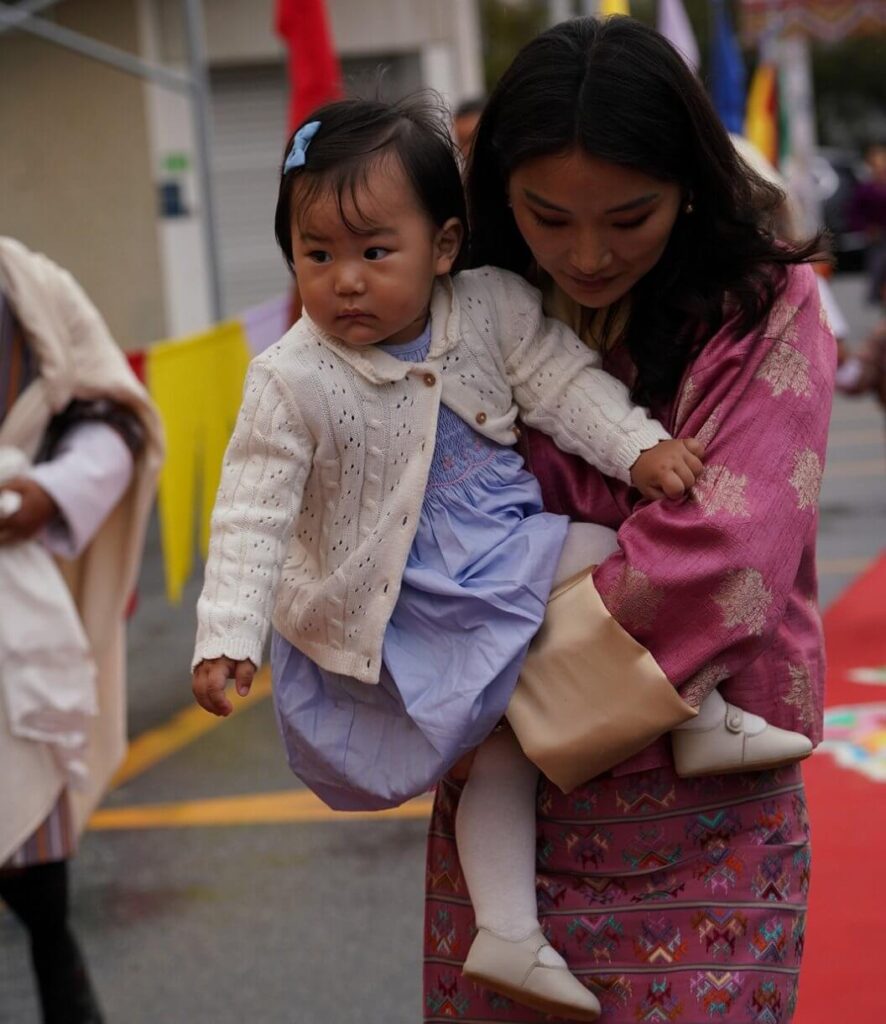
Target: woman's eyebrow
634,203
547,204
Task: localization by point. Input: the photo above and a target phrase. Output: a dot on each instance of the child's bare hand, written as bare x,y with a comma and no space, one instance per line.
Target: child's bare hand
210,678
669,469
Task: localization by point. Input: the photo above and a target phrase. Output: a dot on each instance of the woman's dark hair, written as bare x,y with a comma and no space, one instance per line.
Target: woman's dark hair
620,92
354,135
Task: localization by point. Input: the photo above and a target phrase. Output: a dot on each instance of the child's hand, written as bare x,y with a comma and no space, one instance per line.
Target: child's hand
209,682
669,469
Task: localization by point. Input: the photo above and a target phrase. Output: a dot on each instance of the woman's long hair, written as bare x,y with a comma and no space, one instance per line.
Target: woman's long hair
619,91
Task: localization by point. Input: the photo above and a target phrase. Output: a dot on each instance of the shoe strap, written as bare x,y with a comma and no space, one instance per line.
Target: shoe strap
734,718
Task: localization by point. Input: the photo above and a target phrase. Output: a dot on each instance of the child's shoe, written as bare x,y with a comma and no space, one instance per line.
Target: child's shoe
724,739
513,968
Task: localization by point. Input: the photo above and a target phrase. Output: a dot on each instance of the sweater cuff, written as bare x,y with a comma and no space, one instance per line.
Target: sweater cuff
235,649
645,437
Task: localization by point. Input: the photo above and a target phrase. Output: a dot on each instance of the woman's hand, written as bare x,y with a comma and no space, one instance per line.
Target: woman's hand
37,509
210,679
669,469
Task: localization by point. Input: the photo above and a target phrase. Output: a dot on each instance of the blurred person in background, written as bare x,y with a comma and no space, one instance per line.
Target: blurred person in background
867,213
864,371
80,450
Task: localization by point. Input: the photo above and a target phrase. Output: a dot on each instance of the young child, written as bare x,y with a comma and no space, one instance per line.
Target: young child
372,497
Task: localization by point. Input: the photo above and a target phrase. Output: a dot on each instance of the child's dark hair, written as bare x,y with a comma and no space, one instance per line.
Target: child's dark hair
619,91
353,136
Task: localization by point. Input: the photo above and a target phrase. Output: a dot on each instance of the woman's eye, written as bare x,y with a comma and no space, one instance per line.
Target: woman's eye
319,256
375,253
546,222
627,224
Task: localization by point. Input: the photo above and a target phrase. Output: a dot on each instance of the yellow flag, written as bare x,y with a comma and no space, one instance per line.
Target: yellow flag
761,112
197,384
608,7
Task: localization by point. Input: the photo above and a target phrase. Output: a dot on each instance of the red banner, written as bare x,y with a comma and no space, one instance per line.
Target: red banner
314,74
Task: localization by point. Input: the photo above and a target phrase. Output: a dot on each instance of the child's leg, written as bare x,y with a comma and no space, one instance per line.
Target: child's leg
724,738
495,833
586,544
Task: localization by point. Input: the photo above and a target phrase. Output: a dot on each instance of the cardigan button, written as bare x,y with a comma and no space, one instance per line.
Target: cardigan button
518,433
429,379
481,418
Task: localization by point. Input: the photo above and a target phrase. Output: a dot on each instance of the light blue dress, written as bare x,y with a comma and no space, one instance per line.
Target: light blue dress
474,592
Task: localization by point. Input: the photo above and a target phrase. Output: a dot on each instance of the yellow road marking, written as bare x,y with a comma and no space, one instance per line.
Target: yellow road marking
252,809
183,728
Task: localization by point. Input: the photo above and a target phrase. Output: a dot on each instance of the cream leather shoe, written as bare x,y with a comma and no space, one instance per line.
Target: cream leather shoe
513,969
725,747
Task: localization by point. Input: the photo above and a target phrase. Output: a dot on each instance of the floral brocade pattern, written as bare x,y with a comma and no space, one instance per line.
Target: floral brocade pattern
669,906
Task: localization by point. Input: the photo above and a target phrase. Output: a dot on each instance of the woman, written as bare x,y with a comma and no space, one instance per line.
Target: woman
70,405
601,172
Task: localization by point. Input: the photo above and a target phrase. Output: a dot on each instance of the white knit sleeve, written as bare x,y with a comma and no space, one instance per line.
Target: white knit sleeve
561,390
259,496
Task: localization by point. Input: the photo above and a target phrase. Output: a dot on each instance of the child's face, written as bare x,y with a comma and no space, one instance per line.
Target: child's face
374,286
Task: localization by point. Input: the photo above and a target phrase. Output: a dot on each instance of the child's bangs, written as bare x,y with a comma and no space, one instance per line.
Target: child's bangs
345,183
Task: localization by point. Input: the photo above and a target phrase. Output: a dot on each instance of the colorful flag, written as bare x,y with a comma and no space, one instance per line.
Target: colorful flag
674,25
314,73
762,114
727,72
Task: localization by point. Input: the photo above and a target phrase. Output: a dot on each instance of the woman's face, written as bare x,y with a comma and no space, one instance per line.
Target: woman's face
594,226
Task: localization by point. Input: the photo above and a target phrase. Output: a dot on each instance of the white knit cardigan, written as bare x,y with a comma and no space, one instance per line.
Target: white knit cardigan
325,473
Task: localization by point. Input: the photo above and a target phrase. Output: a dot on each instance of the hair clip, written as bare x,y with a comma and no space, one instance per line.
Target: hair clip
298,152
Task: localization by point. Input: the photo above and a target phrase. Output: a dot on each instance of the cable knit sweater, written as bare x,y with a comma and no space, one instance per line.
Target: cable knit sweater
325,473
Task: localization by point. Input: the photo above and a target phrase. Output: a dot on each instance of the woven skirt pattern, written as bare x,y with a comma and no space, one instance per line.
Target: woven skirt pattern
673,900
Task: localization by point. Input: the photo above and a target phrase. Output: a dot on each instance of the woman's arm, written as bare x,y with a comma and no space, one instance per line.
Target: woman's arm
88,473
263,476
703,583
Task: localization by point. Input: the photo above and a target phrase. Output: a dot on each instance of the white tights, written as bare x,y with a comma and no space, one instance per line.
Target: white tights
495,822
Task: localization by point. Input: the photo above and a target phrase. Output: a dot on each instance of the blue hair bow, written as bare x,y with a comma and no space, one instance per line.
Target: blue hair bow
298,152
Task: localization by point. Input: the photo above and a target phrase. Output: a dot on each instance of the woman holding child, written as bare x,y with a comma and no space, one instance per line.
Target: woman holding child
601,174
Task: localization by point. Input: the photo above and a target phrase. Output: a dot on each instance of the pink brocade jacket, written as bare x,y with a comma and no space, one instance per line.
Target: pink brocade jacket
721,586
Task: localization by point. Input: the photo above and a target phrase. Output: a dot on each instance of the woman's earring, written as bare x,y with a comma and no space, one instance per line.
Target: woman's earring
689,208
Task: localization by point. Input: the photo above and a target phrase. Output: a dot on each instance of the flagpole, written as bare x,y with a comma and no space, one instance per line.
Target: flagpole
200,108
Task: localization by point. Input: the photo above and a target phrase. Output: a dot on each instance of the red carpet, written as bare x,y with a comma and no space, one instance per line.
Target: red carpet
844,969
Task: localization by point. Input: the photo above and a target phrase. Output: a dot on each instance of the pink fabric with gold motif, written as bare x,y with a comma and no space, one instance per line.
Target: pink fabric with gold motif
722,585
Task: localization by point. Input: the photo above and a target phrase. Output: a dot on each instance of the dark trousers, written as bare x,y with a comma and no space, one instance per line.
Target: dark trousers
38,897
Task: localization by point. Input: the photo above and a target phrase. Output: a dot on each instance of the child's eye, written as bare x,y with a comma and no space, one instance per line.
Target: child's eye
376,252
628,224
319,256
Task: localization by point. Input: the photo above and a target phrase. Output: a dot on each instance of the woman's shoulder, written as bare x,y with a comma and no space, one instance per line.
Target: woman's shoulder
796,323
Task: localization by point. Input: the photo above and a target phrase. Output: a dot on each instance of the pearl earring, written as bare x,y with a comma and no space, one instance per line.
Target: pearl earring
689,208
